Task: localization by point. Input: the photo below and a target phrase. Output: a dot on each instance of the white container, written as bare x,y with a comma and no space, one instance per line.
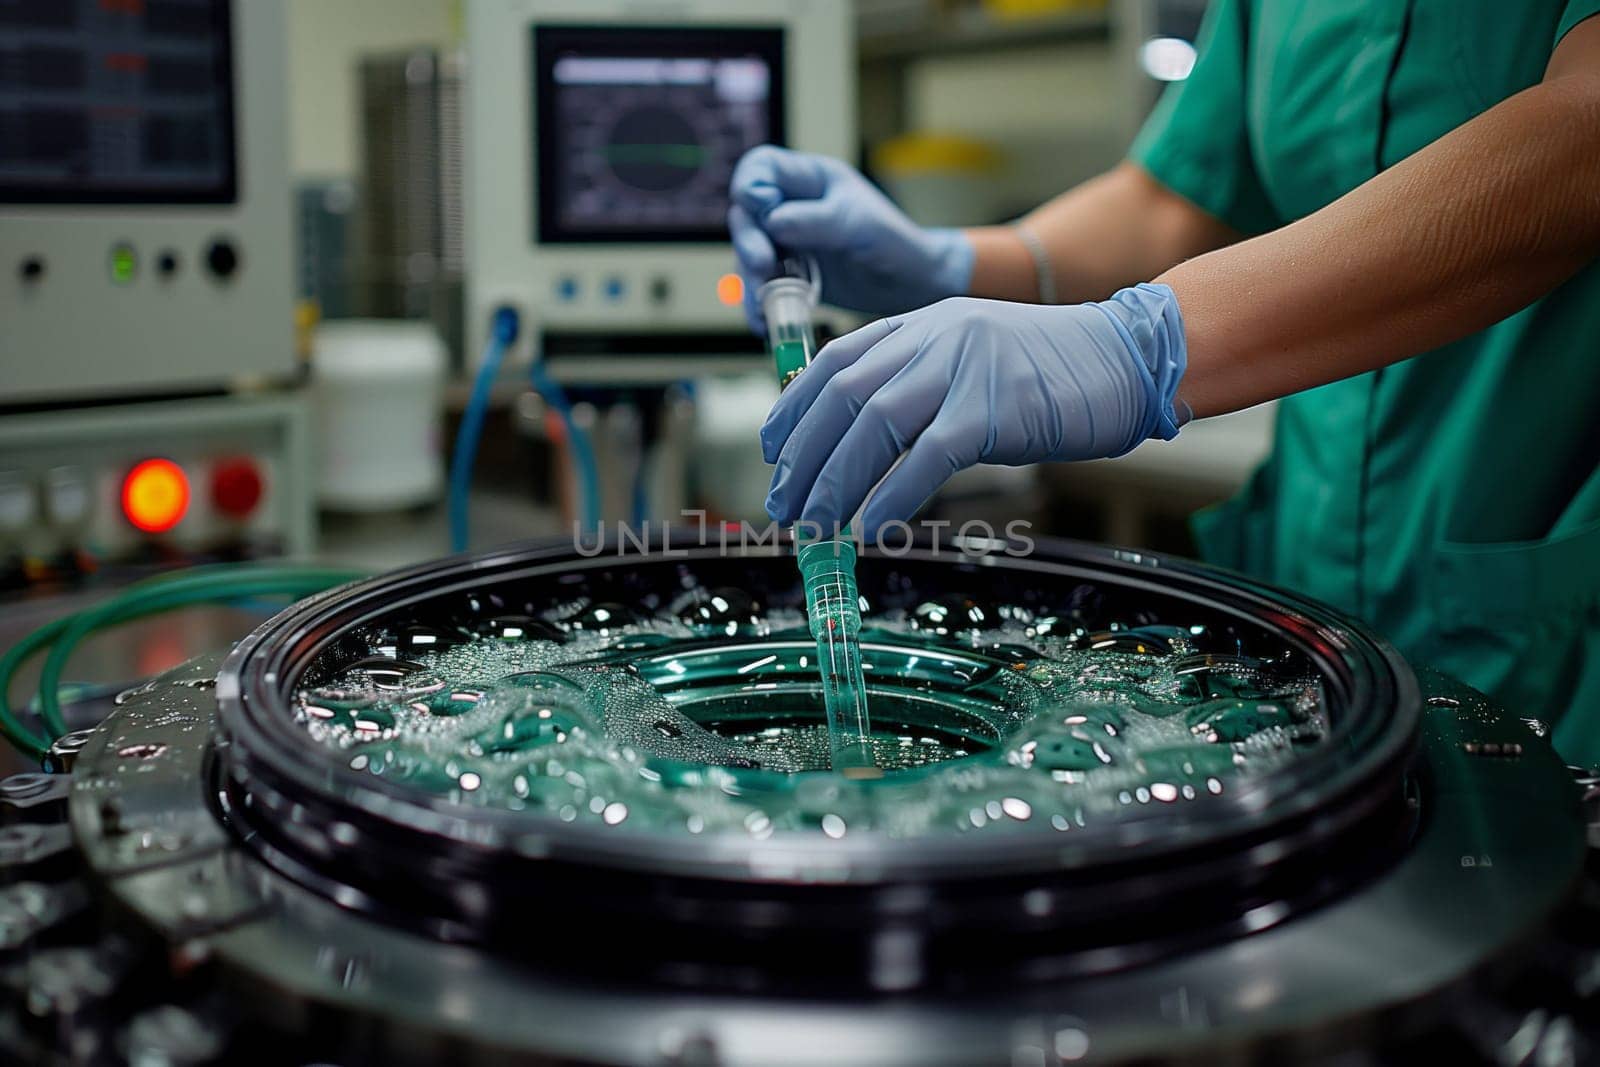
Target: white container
378,386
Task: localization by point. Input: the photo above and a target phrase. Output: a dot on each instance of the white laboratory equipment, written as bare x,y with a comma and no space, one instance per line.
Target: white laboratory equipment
146,287
144,199
601,135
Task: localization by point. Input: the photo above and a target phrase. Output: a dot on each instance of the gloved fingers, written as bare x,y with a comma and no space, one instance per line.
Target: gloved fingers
889,421
766,176
807,225
949,444
817,434
797,399
752,247
757,261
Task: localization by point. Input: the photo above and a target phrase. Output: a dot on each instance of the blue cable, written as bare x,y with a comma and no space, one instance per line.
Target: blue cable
587,470
502,335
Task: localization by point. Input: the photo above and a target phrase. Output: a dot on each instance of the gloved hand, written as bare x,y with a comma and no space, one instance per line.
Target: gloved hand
873,258
970,381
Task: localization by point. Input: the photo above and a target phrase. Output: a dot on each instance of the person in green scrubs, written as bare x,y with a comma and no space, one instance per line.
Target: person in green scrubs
1385,212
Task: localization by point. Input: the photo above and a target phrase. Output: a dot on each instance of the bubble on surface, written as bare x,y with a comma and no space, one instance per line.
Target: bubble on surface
708,719
602,618
953,613
725,610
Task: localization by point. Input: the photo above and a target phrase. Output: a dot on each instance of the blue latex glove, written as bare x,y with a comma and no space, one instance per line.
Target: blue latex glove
970,381
873,258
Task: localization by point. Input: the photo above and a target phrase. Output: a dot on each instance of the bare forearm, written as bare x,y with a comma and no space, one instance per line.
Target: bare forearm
1445,243
1114,230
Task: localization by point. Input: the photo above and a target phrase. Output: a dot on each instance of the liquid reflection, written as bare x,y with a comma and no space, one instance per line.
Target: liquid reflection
709,718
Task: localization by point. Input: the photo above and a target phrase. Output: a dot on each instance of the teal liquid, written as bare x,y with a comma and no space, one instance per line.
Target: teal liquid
834,615
792,346
709,718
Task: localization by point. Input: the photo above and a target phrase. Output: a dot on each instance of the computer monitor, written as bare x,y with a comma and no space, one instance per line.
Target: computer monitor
117,104
643,127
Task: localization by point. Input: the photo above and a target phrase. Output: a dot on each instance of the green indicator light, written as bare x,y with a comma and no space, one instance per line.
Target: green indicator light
124,264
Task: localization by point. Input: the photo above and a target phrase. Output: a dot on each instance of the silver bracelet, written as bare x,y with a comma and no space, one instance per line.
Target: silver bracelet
1043,273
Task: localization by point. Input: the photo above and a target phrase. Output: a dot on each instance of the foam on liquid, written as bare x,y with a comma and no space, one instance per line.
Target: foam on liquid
987,719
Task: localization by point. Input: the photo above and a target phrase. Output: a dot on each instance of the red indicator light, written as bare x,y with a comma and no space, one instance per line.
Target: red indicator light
236,487
155,495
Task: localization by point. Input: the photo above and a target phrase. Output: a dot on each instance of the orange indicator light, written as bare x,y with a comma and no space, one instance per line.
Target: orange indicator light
155,495
730,289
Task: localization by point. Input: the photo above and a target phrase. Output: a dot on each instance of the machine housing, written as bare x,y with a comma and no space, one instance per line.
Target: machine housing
607,297
183,252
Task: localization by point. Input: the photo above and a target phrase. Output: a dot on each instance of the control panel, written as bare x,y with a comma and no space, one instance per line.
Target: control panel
194,479
601,138
144,198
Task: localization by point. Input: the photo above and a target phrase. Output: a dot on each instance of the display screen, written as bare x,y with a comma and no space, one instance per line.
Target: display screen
116,101
637,130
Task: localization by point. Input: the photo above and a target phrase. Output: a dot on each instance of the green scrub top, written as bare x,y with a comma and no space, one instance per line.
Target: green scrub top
1452,500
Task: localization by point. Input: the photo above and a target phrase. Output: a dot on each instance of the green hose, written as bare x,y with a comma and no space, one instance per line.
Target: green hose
21,738
163,593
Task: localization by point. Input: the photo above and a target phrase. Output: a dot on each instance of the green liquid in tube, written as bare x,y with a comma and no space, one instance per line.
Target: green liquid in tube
790,358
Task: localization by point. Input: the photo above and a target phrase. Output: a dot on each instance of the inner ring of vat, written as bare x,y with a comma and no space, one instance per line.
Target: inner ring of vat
1064,700
1066,592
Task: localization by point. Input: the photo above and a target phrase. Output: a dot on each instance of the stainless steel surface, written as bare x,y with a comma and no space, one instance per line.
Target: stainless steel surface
378,543
121,656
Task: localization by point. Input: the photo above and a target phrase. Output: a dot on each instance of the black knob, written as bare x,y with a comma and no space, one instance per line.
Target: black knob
167,263
32,269
222,258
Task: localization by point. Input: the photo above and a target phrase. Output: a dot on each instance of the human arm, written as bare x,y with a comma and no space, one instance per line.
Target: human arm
1447,242
1112,231
1107,233
1456,237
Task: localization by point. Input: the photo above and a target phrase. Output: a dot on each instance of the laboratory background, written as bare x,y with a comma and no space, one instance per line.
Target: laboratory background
400,660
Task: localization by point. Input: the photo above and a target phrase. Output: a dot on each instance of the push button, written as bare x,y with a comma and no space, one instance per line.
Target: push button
67,495
19,504
236,487
222,259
